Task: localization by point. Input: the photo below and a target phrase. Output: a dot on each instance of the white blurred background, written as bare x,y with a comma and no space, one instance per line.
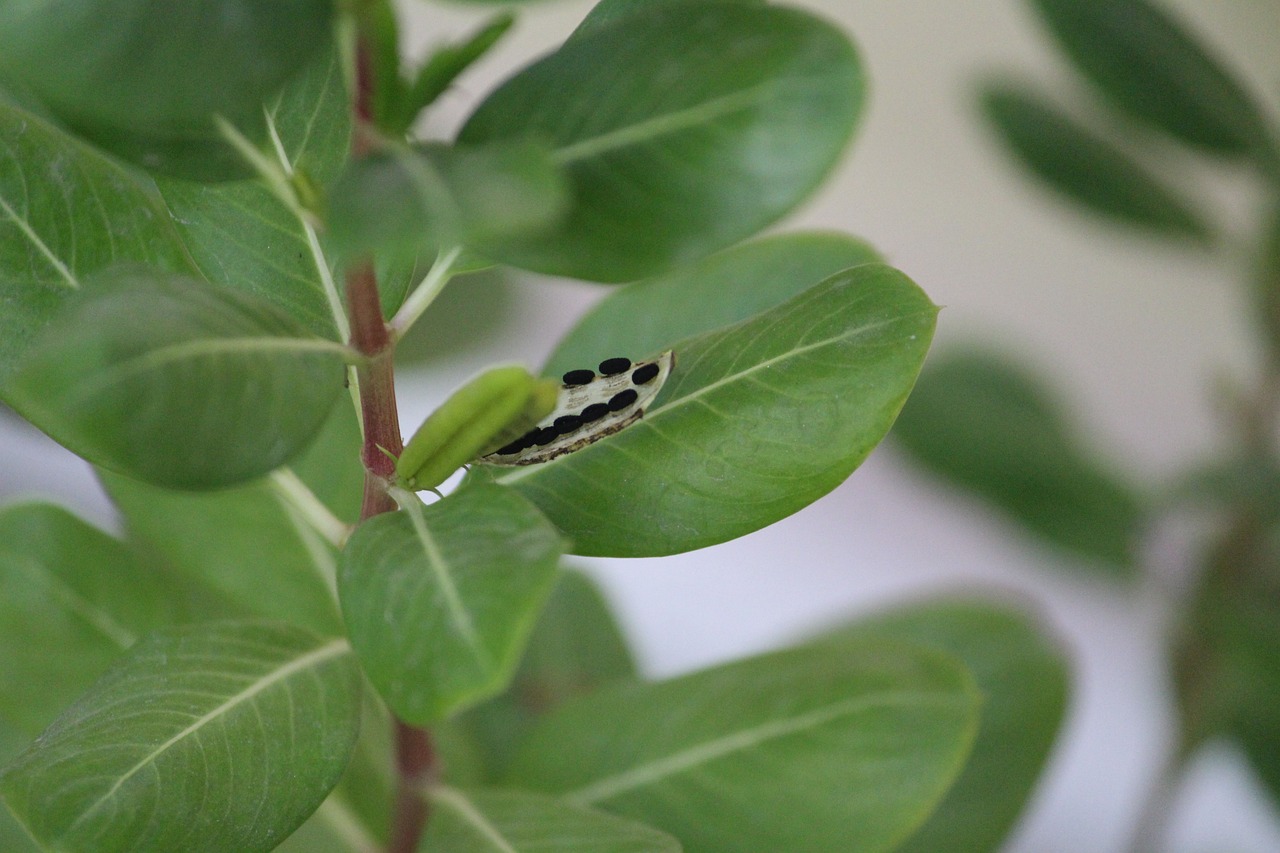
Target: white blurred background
1134,335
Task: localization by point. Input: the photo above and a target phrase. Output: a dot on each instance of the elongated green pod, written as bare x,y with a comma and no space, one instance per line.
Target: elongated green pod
464,425
542,402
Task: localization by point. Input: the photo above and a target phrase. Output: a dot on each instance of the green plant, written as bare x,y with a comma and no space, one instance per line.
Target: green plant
1160,110
213,221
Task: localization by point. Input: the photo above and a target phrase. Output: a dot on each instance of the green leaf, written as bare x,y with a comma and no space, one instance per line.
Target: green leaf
718,291
442,67
411,201
245,544
1227,647
72,600
221,736
609,12
575,647
808,751
439,599
521,822
241,235
1022,677
1086,168
985,426
145,79
356,816
728,115
172,381
65,212
755,422
1147,65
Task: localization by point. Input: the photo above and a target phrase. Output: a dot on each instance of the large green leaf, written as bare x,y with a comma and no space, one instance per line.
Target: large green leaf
440,599
727,116
521,822
178,383
411,201
72,600
609,12
755,422
65,212
1022,677
1146,64
718,291
245,544
221,736
242,235
145,79
808,751
982,424
1086,168
575,647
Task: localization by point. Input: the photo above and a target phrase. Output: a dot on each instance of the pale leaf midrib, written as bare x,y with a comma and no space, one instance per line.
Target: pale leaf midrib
660,125
54,261
331,649
469,813
76,603
695,756
458,613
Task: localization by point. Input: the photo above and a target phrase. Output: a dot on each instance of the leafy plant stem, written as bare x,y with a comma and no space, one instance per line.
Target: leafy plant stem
377,388
425,293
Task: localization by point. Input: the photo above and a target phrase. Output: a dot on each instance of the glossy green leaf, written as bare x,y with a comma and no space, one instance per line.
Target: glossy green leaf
221,736
65,212
1022,677
411,201
809,751
240,235
1086,168
723,289
440,599
575,647
985,426
755,422
521,822
259,556
728,115
178,383
145,79
1148,65
72,600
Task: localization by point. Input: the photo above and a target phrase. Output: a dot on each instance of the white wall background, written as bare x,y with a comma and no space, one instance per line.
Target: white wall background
1134,335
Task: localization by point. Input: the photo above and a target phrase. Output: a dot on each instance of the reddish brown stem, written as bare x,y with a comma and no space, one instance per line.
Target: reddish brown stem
416,769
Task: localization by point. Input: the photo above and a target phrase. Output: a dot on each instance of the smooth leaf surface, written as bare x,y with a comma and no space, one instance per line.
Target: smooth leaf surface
241,235
728,115
575,647
145,79
245,544
718,291
222,736
608,12
521,822
413,201
808,751
755,422
65,212
72,600
178,383
1023,679
439,599
987,427
1086,168
1148,65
